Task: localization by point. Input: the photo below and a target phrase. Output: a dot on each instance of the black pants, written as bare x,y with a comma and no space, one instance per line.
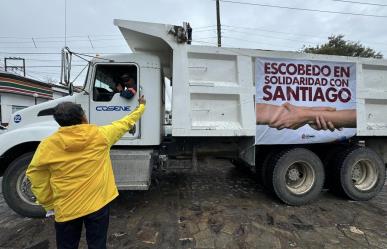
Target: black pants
68,233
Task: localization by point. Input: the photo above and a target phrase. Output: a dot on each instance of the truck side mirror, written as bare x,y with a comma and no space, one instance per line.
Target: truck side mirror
66,66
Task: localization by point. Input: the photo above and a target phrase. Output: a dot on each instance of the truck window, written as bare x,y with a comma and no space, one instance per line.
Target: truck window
107,77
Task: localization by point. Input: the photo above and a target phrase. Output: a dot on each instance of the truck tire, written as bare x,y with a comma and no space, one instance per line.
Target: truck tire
17,188
262,167
297,176
359,174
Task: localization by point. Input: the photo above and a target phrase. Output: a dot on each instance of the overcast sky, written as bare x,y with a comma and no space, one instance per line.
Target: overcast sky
35,27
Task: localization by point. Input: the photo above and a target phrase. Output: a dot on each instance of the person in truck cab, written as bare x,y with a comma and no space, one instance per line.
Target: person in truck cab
127,87
71,174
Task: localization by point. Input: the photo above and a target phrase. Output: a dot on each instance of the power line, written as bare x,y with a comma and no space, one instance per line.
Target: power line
203,27
204,30
44,60
294,34
58,37
208,37
255,42
205,42
35,53
301,9
273,31
268,36
239,39
57,41
374,4
44,76
113,39
78,47
41,66
54,53
34,77
239,51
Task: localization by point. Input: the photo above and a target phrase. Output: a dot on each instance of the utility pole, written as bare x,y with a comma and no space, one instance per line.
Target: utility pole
218,24
14,67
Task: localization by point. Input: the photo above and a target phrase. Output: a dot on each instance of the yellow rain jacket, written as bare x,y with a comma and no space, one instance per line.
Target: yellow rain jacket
71,171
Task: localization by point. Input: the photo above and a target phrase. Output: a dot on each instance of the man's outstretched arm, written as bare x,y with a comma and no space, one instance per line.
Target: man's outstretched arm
117,129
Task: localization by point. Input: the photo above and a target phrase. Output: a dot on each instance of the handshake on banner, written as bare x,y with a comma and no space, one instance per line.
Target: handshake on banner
293,117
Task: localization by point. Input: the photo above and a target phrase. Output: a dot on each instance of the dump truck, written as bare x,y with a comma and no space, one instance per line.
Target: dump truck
302,122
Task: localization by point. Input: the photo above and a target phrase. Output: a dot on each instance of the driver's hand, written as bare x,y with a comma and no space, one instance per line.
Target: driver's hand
119,88
133,130
142,100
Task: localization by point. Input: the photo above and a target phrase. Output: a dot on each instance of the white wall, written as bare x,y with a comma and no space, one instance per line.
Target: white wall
7,100
10,99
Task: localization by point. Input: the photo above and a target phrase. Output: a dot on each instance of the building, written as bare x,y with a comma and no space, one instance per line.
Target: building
17,92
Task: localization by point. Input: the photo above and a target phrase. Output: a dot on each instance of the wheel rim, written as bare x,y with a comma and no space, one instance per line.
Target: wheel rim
300,177
23,188
364,175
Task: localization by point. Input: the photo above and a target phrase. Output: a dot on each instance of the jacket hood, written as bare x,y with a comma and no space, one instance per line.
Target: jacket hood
76,137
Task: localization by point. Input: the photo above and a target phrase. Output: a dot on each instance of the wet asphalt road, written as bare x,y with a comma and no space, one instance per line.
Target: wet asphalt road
218,207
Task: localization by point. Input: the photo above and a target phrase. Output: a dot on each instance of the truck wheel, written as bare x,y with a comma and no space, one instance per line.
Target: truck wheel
265,162
360,174
297,176
17,188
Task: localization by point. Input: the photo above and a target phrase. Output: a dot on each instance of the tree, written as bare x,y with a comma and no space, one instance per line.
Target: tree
336,45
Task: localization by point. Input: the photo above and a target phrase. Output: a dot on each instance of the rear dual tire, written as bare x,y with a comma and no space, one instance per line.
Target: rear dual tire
296,176
358,173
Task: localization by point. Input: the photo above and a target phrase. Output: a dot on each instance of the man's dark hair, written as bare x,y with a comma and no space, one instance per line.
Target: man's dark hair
125,77
68,113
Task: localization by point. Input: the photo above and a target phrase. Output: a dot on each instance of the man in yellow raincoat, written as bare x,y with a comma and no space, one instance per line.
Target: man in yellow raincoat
71,174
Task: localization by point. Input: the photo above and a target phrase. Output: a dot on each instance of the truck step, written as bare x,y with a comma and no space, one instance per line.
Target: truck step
132,168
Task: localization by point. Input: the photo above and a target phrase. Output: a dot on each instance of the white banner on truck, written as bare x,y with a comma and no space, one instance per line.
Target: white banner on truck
297,100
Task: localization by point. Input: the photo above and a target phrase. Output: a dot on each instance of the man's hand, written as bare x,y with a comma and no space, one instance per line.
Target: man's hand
321,124
290,117
142,100
50,213
133,130
293,117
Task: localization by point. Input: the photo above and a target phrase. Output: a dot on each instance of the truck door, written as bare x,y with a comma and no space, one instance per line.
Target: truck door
106,102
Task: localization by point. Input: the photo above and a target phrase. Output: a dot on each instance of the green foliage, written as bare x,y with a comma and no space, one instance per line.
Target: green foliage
336,45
